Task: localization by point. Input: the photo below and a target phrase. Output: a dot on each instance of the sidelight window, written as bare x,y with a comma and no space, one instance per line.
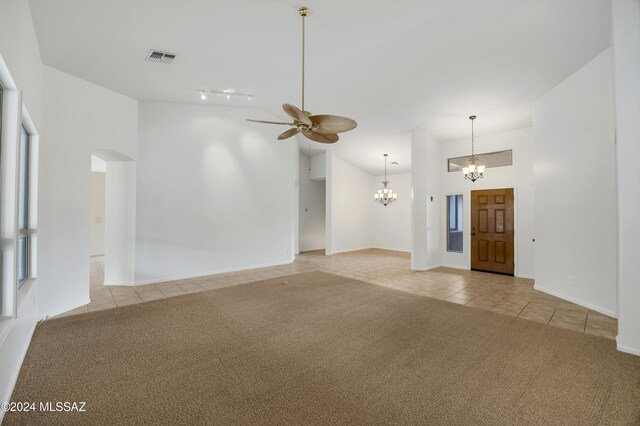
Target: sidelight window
23,208
454,223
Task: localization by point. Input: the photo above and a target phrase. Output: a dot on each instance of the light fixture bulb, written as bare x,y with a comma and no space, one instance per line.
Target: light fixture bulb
228,96
203,95
249,97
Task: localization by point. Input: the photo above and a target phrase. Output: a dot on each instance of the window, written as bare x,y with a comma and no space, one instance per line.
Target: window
23,208
454,223
490,159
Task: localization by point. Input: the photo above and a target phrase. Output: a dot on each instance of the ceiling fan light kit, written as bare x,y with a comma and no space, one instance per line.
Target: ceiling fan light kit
318,128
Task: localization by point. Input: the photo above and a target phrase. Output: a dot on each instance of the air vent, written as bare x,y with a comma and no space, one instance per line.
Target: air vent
160,56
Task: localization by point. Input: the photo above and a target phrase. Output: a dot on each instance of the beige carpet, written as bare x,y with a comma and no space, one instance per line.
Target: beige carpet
321,349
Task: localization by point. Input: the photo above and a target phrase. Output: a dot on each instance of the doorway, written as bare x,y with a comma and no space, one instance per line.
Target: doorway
98,181
492,231
112,219
312,220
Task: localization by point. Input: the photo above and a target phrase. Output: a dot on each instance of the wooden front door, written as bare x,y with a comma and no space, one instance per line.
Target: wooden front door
492,230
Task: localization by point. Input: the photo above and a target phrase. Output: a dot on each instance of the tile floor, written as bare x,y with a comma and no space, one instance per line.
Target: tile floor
498,293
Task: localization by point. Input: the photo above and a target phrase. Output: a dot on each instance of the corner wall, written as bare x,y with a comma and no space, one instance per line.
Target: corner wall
575,189
425,200
79,117
20,52
391,225
626,48
349,202
97,213
120,223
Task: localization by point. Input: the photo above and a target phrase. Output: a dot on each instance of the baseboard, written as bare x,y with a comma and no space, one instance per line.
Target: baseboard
428,268
462,268
15,343
206,274
627,349
351,250
392,249
529,277
14,375
308,250
571,299
125,283
66,309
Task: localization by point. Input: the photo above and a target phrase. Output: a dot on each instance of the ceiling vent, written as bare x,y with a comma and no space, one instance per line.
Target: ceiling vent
160,56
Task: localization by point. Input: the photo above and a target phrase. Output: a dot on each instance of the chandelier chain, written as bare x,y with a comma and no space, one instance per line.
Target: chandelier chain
472,147
303,19
385,196
385,167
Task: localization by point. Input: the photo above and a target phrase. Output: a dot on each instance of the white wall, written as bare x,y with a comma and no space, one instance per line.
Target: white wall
519,176
391,224
215,193
350,206
312,207
79,117
425,200
318,167
626,47
97,213
120,223
575,188
21,55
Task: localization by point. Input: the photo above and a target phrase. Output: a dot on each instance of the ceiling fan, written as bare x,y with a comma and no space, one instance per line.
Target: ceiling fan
319,128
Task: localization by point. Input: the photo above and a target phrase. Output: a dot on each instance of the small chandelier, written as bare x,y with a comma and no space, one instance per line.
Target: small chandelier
473,172
385,196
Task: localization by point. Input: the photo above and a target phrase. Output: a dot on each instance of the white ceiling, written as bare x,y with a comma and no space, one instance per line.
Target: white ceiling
389,64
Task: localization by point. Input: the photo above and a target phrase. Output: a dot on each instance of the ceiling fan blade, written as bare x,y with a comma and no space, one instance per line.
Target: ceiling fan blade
288,134
332,123
297,114
270,122
321,137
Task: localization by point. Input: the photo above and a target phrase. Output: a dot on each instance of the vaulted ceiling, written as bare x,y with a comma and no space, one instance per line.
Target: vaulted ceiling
389,64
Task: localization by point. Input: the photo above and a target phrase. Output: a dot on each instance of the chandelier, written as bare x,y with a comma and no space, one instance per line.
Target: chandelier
473,172
385,196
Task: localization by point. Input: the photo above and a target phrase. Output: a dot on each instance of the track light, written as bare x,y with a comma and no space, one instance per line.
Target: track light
203,95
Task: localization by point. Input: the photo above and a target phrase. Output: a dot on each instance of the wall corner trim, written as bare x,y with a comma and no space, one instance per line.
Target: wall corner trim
627,349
